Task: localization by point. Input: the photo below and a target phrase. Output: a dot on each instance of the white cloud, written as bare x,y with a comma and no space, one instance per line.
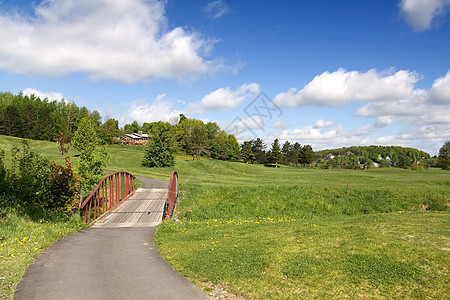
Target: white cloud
106,39
331,138
321,123
51,96
280,125
255,122
341,87
158,110
440,91
216,9
225,98
427,137
419,14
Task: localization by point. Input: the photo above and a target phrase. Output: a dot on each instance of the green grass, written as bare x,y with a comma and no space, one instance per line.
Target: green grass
25,235
390,255
267,233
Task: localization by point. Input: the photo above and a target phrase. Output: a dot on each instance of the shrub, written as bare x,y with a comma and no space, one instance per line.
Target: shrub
64,187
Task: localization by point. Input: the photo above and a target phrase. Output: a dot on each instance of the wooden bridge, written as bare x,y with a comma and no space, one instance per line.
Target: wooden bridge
115,203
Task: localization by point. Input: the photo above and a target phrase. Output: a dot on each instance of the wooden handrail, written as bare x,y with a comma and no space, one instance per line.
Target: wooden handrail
108,193
172,195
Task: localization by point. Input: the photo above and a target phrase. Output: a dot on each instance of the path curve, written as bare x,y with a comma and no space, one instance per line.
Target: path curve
106,263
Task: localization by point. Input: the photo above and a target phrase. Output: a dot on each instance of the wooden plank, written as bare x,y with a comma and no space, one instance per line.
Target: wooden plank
144,208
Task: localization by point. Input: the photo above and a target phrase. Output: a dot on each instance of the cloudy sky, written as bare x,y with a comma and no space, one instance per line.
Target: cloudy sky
325,73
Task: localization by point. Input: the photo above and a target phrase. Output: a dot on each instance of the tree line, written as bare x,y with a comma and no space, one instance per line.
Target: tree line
199,139
40,119
355,157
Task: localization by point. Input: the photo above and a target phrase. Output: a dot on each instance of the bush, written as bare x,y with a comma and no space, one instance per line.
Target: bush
64,187
28,177
33,182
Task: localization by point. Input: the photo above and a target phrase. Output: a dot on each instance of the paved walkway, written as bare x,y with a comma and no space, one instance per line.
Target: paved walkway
106,263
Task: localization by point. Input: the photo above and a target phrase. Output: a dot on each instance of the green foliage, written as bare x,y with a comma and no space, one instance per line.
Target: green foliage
34,118
192,137
160,148
111,130
384,156
33,182
3,182
247,153
64,187
444,156
275,153
92,160
28,177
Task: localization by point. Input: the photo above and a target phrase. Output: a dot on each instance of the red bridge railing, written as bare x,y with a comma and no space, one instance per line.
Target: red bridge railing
172,196
109,192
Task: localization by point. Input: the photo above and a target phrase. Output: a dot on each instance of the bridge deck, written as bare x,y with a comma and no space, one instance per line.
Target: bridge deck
145,208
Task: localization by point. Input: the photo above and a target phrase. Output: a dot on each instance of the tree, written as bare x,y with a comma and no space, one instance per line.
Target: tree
92,161
234,148
191,136
246,152
295,153
160,149
275,152
258,147
111,129
444,156
306,155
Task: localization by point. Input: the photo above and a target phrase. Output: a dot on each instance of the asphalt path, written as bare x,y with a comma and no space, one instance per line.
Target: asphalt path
106,263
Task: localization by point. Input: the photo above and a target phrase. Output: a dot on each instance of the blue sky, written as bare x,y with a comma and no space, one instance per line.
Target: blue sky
325,73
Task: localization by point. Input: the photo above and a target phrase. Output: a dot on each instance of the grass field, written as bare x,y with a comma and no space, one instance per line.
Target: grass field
290,233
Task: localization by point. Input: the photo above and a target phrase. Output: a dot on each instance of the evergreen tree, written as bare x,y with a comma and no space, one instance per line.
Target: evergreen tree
246,152
275,152
258,147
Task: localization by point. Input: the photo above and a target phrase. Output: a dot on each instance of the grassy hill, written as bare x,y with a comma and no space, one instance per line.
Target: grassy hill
291,233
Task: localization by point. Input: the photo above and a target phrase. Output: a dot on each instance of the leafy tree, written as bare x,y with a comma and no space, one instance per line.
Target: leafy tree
404,162
221,147
28,178
132,128
111,129
212,129
92,161
182,118
444,156
192,138
159,151
234,148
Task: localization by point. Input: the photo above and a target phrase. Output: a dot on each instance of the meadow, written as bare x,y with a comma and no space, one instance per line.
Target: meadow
261,232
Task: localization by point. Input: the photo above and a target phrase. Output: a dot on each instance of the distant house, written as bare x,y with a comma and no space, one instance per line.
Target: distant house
135,138
349,152
330,156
